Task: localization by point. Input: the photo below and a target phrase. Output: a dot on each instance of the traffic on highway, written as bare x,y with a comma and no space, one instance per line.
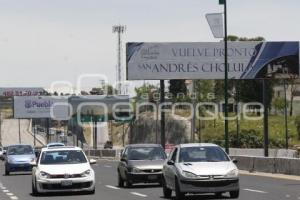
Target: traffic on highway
133,100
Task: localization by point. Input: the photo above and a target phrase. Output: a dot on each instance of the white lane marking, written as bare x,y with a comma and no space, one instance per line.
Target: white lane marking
107,166
112,187
3,188
9,194
287,196
257,191
6,191
14,198
139,194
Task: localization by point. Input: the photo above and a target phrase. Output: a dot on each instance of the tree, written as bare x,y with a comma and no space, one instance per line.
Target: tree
177,87
144,92
251,90
279,104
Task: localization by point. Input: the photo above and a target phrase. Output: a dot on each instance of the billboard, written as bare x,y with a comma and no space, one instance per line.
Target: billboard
41,107
14,91
205,60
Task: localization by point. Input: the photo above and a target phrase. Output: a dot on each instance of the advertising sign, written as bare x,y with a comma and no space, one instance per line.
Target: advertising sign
215,21
10,92
205,60
41,107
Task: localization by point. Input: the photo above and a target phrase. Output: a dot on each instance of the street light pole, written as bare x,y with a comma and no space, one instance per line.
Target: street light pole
226,76
285,116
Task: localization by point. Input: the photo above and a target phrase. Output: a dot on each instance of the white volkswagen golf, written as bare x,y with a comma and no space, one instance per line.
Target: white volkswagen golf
200,168
62,169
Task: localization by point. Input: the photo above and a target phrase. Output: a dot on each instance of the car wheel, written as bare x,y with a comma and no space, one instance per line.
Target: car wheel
120,180
6,172
34,190
128,182
178,194
234,194
167,192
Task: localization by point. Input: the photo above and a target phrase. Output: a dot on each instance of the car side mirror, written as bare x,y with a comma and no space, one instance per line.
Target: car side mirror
93,161
33,163
171,162
235,161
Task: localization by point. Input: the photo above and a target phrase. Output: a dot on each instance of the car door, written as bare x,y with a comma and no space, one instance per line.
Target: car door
170,170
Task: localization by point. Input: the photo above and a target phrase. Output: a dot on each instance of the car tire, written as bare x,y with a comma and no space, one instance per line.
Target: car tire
178,194
234,194
120,180
166,191
6,172
92,191
128,182
34,190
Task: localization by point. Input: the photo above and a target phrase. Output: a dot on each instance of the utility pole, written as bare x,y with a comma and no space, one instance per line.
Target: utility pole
0,128
119,29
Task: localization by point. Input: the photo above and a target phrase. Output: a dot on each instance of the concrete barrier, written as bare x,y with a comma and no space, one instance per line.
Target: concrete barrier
289,166
276,153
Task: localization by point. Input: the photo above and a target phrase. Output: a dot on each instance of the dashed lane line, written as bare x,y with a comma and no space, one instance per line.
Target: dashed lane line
139,194
112,187
14,198
257,191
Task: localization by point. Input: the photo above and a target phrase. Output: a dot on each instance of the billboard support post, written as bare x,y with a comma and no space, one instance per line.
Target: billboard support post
266,118
285,116
19,131
162,114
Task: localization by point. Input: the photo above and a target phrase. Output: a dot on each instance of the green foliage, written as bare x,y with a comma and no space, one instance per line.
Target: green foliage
144,92
176,88
278,103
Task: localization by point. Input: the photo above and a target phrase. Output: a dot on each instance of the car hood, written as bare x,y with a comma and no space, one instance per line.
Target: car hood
207,168
146,164
65,169
21,158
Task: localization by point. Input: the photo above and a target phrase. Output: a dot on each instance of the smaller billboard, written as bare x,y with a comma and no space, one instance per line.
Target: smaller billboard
27,107
15,91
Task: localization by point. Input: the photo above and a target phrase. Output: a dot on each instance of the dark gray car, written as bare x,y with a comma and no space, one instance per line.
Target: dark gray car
141,163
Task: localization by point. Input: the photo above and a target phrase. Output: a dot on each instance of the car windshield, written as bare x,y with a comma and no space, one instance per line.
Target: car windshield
202,154
146,153
62,157
20,150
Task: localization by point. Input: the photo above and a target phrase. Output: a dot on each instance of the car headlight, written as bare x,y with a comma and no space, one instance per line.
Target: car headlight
44,175
86,173
136,170
232,174
189,175
10,160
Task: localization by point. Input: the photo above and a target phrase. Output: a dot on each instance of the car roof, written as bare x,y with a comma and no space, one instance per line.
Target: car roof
55,143
197,145
143,145
62,148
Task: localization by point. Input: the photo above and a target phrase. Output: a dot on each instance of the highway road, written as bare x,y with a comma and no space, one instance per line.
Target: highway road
18,186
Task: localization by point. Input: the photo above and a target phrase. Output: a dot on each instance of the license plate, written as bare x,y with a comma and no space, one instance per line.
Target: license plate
66,183
152,177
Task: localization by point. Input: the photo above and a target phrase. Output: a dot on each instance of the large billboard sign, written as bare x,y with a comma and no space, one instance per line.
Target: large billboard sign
13,91
41,107
205,60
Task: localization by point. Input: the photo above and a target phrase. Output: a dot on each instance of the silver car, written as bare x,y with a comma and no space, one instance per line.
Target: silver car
141,163
19,158
200,168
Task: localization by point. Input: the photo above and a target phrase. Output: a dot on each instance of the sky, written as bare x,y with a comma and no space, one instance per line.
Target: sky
42,41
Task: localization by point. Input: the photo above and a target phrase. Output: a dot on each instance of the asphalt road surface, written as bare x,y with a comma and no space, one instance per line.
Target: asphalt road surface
18,186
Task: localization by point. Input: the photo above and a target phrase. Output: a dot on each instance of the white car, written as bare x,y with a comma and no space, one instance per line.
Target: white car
200,168
63,169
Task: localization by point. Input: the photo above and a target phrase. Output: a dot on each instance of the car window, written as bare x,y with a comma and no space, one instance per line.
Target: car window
202,154
20,150
174,155
62,157
146,153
